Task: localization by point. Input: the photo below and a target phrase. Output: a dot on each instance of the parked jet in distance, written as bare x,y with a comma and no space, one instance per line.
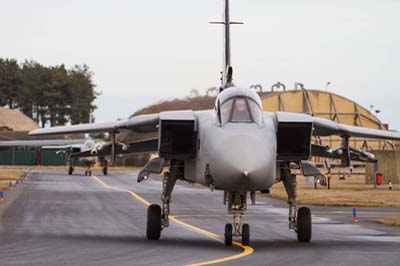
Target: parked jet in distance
236,148
77,149
86,154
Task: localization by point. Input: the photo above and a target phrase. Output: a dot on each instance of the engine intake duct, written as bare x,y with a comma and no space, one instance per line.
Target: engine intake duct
178,135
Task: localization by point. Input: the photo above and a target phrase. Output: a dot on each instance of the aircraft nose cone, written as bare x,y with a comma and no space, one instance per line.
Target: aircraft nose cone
243,162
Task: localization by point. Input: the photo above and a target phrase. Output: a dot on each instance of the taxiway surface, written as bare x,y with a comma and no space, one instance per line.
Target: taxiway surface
57,219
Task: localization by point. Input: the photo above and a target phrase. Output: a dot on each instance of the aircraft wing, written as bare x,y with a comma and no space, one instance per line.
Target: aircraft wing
42,143
325,127
149,145
140,123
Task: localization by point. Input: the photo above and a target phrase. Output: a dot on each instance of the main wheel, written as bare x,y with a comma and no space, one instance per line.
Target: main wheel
304,227
246,234
90,173
86,172
153,230
105,170
70,170
228,235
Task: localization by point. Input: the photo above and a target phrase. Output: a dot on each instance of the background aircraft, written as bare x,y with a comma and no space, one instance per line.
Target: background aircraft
75,150
236,147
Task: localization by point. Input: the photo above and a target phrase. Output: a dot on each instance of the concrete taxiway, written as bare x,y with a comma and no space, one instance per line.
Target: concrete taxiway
57,219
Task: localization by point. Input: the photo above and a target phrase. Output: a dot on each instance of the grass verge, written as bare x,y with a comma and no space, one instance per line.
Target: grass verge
394,221
7,175
350,192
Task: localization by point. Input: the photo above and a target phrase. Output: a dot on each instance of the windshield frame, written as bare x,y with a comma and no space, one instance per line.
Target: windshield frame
232,109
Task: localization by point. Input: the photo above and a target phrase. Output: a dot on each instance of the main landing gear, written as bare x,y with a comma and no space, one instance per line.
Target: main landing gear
301,222
105,167
157,217
237,205
70,170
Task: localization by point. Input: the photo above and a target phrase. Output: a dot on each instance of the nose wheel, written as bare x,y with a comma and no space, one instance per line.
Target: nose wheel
88,172
237,206
228,235
245,234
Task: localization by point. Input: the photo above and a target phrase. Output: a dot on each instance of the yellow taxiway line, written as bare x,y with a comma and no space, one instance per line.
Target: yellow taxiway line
246,250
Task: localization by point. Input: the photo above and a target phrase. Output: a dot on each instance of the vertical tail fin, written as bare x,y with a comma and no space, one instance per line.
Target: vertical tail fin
227,70
227,40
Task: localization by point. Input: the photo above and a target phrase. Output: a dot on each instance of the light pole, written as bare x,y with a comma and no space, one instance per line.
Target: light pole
327,85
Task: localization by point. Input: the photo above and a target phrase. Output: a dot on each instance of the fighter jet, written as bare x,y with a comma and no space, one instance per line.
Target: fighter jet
86,154
235,147
82,150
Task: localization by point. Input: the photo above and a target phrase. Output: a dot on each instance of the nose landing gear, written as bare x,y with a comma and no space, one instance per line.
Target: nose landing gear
88,172
237,205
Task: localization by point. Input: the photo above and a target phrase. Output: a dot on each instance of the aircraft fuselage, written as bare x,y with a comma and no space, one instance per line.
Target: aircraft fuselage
235,156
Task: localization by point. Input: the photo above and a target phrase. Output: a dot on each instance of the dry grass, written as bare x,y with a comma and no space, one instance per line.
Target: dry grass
10,174
7,175
65,168
350,192
33,167
394,221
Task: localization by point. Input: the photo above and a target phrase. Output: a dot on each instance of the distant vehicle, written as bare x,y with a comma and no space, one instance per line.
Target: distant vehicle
236,147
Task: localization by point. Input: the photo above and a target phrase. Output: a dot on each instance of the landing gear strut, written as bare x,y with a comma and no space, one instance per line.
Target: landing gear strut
70,170
169,181
105,167
302,222
237,205
157,217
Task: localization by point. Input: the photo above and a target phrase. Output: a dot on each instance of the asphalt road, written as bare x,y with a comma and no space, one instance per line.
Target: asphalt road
56,219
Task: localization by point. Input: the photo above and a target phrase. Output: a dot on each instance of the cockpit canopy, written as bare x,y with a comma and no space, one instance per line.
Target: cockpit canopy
237,105
89,145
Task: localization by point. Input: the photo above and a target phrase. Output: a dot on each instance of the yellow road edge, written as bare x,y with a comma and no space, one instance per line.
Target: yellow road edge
247,250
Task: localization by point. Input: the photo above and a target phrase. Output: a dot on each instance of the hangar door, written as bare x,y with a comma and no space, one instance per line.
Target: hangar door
25,157
51,157
5,156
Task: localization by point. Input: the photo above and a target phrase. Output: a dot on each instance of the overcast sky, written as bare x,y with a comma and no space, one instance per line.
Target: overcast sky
143,52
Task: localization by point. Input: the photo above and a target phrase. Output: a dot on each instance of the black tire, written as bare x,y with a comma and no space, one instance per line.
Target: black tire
246,235
86,172
228,235
105,170
70,170
153,230
90,173
304,225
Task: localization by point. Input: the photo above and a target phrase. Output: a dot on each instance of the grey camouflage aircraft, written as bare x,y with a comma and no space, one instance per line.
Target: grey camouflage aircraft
236,148
82,150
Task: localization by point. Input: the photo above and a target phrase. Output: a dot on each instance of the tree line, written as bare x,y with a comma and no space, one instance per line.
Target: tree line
51,95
